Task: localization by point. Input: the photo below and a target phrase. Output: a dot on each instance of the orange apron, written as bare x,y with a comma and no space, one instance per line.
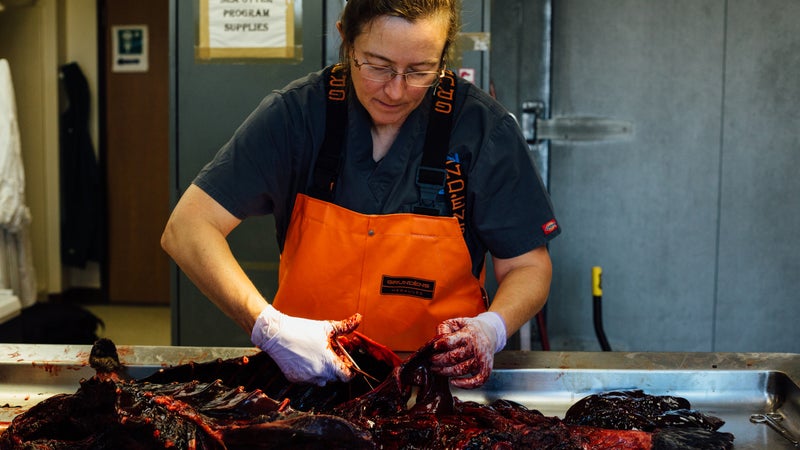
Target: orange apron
405,273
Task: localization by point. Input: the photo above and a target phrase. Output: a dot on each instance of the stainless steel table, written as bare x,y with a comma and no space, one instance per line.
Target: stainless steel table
731,386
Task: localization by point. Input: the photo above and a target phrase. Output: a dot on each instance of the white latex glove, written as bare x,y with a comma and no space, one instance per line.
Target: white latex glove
466,349
301,347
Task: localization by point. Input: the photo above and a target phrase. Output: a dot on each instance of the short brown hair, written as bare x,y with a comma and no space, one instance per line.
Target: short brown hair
358,13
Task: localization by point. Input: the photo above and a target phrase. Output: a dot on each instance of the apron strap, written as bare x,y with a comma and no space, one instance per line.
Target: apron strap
328,164
432,174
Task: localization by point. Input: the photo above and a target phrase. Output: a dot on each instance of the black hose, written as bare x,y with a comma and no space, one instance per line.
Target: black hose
598,324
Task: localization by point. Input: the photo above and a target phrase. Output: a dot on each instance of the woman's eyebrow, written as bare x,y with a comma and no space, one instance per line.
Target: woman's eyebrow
388,61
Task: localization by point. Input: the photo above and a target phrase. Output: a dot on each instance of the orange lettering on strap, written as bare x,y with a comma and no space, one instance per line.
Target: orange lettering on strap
443,93
456,187
458,203
336,94
454,168
443,107
337,81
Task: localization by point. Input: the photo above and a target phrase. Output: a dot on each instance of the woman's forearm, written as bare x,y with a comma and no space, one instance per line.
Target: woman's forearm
195,238
523,287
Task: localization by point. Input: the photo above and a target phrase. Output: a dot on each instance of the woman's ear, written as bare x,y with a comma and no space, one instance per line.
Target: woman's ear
339,28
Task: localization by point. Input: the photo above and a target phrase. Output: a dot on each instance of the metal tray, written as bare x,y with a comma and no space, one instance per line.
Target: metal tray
731,386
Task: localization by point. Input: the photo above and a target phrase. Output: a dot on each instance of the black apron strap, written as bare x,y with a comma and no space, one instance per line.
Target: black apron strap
432,174
327,167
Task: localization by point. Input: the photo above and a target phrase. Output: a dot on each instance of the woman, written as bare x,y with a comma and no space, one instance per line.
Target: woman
389,180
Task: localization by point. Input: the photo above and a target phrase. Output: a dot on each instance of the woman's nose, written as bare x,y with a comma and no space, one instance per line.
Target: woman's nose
395,88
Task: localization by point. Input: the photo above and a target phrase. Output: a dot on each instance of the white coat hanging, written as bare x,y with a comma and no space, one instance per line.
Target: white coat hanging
16,262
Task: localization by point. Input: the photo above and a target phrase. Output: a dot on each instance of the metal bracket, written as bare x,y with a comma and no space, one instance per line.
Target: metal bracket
531,113
536,128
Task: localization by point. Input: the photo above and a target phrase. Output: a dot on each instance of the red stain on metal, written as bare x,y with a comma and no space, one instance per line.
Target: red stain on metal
50,368
124,351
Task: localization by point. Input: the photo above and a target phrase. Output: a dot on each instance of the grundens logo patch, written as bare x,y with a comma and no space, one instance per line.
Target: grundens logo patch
412,287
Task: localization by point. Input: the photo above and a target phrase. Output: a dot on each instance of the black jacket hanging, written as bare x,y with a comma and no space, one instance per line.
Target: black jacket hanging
81,208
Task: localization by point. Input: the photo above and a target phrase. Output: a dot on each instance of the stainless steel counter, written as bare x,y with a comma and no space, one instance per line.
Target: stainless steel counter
731,386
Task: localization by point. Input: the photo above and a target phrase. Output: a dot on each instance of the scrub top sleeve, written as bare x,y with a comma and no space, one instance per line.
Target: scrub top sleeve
513,212
251,170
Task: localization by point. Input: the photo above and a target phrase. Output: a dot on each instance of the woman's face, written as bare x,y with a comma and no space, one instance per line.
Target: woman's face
404,46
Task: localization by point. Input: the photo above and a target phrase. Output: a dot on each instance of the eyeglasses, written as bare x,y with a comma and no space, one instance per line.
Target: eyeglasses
384,74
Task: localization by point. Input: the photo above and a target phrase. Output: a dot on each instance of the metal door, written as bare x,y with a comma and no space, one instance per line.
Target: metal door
689,212
643,208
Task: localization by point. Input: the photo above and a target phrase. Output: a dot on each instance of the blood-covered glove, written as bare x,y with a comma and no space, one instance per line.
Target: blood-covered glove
466,348
302,347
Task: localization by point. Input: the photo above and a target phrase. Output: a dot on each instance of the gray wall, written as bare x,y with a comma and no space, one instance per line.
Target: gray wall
694,217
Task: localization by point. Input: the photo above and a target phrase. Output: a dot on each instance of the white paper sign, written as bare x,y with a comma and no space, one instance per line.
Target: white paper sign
248,23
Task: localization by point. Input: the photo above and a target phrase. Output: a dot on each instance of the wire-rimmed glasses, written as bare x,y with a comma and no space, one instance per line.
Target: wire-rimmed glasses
384,74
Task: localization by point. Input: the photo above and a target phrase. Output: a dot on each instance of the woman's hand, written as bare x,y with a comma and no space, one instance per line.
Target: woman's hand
302,347
465,351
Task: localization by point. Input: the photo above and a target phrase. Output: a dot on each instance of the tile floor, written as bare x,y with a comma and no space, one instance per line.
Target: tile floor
134,324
